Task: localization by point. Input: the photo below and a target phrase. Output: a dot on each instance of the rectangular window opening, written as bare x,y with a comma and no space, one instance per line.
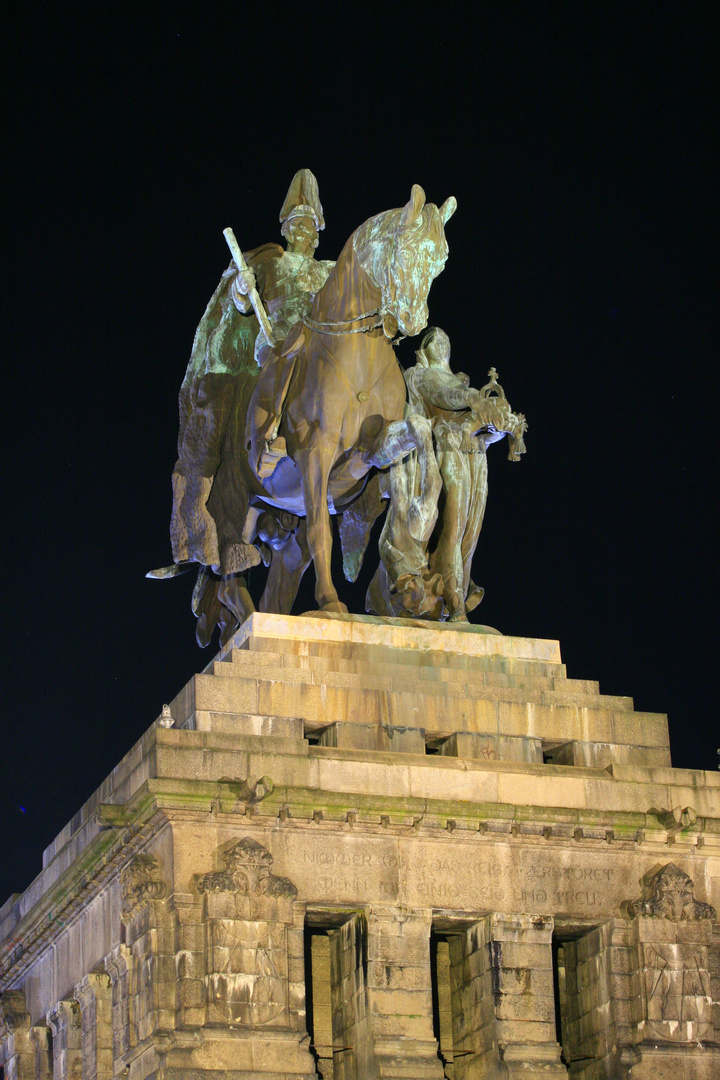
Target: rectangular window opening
558,753
318,999
335,981
560,993
442,1000
312,733
582,997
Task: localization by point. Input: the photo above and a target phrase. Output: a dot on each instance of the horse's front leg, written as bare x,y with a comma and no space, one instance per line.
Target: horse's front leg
314,464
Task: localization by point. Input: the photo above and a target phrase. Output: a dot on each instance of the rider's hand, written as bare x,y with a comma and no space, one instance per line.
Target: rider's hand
244,281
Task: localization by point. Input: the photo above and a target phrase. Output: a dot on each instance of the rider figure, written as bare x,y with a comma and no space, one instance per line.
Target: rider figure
229,348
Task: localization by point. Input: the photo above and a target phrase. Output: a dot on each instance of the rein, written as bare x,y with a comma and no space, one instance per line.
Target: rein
326,327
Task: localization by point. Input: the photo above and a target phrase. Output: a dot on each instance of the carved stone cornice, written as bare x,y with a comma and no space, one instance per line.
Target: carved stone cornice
247,872
141,881
62,904
64,1014
117,963
670,894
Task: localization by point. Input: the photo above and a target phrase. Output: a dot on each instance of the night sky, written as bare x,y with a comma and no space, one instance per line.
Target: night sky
581,143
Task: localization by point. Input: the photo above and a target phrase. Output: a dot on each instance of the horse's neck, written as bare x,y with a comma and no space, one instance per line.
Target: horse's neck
348,291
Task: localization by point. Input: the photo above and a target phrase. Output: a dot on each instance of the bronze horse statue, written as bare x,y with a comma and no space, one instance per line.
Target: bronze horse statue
343,402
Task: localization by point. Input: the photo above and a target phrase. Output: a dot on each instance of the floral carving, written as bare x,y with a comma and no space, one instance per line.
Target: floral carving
141,882
671,895
247,871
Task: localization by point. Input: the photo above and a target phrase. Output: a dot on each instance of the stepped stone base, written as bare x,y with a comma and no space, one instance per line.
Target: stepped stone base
359,848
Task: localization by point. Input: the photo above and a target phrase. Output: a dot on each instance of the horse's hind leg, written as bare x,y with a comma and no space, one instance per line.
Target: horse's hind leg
314,463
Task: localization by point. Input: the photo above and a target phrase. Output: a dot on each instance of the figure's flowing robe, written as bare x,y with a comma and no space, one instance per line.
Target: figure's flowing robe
219,380
443,398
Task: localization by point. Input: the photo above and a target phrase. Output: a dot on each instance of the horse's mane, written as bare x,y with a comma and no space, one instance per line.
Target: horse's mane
389,223
363,267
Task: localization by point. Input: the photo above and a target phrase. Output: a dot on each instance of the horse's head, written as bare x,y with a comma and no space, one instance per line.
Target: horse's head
403,251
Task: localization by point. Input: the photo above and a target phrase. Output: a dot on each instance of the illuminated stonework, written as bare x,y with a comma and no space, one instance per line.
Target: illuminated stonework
377,849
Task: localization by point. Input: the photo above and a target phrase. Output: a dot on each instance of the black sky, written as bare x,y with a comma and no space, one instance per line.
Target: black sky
581,143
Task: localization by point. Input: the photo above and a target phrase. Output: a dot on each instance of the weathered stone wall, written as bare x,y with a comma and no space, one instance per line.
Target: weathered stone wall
337,800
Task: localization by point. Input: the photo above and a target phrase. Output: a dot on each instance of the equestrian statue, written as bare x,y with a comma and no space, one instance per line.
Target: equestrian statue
294,407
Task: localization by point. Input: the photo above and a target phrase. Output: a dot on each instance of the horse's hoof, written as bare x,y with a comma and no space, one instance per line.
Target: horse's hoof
336,606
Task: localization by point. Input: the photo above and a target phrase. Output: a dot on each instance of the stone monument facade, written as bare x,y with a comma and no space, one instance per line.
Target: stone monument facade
357,849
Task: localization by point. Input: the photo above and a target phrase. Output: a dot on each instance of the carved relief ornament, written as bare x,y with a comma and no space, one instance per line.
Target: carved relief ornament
13,1014
247,871
141,882
671,895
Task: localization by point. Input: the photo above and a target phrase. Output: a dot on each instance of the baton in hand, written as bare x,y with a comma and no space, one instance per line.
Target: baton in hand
253,295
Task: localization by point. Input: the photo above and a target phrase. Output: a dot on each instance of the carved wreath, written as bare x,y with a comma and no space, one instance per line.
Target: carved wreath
247,871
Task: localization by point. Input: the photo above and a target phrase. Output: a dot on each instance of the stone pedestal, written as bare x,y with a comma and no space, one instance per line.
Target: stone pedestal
368,850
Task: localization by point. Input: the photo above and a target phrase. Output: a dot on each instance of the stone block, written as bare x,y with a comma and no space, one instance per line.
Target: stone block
275,727
490,747
263,669
640,729
526,1007
237,695
296,944
374,737
558,723
393,950
401,1002
381,975
192,994
416,1025
543,789
530,1032
695,931
514,954
396,634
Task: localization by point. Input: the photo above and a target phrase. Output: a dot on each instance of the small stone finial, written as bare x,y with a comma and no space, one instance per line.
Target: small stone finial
166,718
671,895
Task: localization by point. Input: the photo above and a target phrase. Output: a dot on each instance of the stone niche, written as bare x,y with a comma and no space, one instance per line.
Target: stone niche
359,850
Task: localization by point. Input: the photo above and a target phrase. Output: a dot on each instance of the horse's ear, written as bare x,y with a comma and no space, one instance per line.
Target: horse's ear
447,209
413,209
